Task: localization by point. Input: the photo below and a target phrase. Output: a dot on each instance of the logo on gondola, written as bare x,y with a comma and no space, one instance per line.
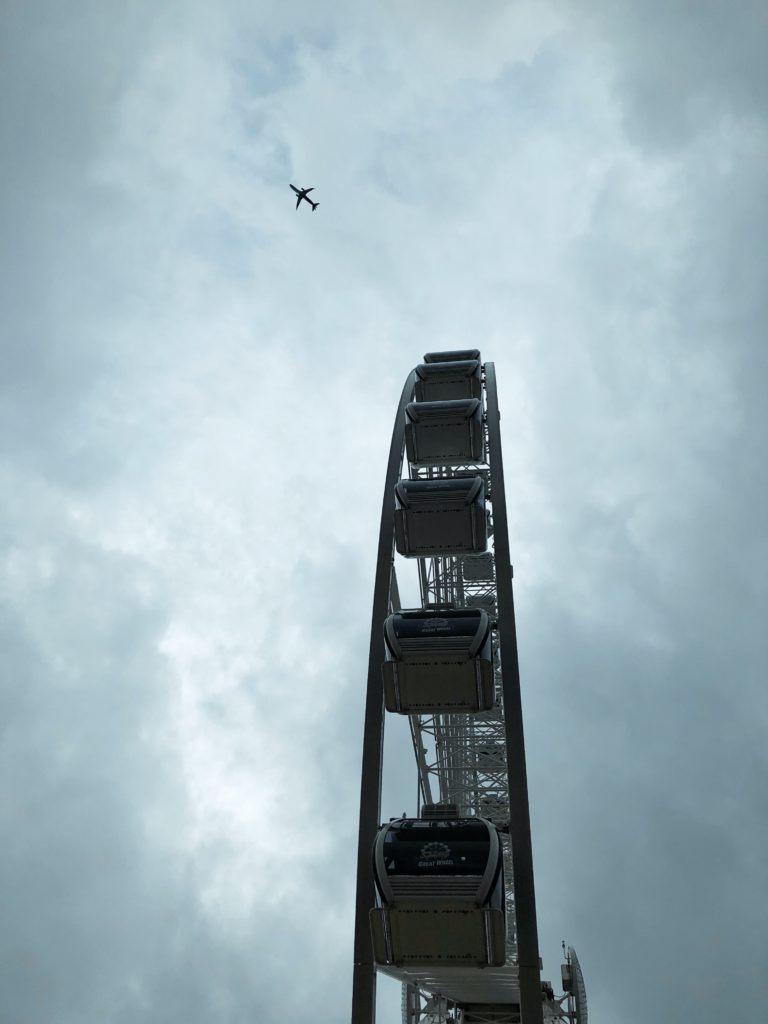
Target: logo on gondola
434,851
430,625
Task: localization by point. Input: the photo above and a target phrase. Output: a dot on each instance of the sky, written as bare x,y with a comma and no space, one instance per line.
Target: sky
197,392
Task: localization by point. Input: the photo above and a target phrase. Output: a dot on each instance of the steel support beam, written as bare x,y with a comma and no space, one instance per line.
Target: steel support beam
364,972
519,814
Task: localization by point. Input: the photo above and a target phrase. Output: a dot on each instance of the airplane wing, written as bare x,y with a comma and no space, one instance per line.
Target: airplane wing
308,190
298,200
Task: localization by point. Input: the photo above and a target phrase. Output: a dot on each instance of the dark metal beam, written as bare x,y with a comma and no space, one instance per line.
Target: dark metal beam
364,973
519,815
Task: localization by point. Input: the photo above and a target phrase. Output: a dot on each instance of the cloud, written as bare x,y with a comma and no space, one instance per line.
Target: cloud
197,396
681,67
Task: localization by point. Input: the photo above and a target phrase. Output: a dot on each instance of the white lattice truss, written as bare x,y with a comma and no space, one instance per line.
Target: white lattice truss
462,759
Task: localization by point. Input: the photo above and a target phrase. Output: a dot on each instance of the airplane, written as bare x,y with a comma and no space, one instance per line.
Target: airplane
302,194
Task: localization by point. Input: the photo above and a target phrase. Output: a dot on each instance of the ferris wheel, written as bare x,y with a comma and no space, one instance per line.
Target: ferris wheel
446,899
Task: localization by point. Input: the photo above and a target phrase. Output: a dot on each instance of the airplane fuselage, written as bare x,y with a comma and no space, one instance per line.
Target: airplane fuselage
301,193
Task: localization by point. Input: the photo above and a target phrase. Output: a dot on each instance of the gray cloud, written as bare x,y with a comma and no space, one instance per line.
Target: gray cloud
682,66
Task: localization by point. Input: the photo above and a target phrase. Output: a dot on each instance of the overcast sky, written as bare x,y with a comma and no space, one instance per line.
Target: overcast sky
197,390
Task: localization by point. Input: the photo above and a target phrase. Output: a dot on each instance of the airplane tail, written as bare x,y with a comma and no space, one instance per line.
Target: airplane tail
314,206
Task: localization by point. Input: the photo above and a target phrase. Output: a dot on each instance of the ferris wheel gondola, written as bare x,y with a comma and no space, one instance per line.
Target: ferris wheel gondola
439,379
441,894
438,660
444,433
440,517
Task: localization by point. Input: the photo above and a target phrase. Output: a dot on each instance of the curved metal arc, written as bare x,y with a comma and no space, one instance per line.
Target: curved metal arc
364,973
519,813
579,988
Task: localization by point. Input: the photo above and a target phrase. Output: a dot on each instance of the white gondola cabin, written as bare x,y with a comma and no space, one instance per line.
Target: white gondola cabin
440,894
438,661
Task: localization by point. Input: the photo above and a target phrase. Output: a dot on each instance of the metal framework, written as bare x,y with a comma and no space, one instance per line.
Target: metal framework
476,761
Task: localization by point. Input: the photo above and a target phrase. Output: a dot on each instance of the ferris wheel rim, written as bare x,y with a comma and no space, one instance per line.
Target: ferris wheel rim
526,951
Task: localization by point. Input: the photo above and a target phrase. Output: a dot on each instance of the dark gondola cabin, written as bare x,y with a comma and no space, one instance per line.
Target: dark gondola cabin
451,379
457,355
440,517
440,892
444,433
438,661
